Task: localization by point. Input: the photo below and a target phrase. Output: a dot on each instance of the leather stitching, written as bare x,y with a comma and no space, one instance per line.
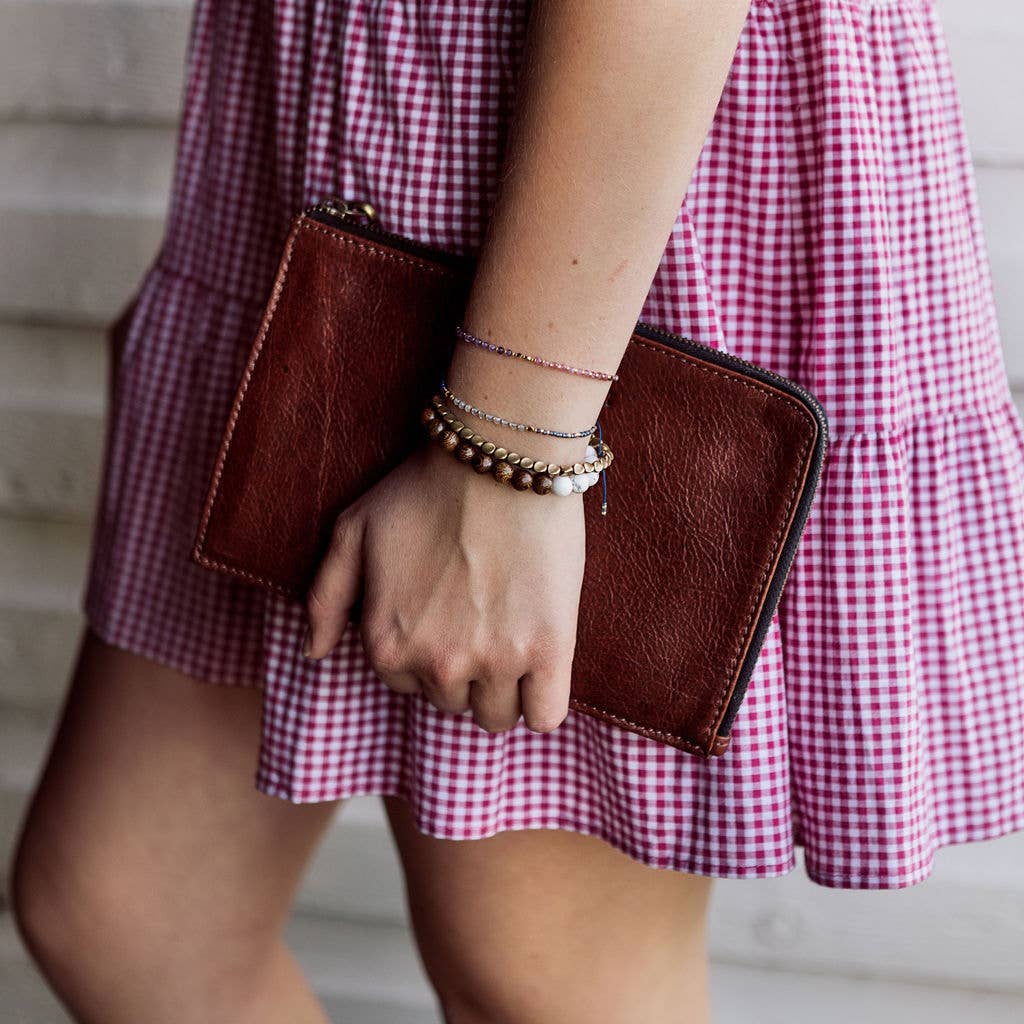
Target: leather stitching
374,249
773,394
303,224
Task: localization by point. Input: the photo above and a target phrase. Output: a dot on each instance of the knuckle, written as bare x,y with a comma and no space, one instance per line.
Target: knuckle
446,667
547,646
383,651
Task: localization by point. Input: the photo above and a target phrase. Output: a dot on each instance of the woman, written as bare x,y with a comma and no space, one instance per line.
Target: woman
788,179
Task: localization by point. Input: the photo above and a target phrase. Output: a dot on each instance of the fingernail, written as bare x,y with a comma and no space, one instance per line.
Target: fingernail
307,643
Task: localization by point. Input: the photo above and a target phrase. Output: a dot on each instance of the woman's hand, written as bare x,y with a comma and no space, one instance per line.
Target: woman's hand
470,590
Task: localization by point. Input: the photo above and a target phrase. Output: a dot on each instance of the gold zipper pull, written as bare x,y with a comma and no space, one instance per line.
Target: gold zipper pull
348,209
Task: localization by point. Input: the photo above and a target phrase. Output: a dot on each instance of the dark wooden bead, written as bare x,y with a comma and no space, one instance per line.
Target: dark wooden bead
482,462
427,416
465,452
435,428
542,483
522,480
502,471
449,440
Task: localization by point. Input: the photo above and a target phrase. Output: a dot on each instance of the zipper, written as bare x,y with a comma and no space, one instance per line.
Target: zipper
787,383
361,218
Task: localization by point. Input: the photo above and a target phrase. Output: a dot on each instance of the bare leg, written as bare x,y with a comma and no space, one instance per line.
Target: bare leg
152,880
536,926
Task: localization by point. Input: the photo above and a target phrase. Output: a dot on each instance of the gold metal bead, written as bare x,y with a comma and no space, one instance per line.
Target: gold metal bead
500,453
447,417
540,467
514,458
554,470
577,468
466,433
488,446
588,467
476,439
526,463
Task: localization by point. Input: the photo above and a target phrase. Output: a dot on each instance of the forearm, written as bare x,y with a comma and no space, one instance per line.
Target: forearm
613,106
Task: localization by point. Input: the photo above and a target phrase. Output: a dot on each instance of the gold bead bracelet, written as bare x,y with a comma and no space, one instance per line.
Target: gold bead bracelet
521,471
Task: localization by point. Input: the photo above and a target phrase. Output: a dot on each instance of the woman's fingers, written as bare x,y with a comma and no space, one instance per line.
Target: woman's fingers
544,693
336,587
495,702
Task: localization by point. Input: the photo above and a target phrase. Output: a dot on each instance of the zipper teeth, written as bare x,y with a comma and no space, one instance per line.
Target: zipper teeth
344,222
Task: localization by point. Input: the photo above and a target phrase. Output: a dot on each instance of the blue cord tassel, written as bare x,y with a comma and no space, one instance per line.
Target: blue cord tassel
604,474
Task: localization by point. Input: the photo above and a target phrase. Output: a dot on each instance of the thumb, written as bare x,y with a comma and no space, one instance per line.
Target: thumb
336,587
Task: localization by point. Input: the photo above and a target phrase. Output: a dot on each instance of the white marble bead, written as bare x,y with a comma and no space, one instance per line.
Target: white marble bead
579,482
592,478
561,485
591,455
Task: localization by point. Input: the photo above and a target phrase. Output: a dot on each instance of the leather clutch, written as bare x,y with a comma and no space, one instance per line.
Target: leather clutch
717,461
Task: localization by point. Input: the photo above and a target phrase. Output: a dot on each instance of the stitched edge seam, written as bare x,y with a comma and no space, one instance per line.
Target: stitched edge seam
771,393
303,224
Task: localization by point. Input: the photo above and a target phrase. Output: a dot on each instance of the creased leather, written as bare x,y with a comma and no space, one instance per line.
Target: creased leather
709,466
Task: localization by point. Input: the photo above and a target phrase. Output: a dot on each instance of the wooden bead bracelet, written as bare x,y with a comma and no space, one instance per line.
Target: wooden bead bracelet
522,472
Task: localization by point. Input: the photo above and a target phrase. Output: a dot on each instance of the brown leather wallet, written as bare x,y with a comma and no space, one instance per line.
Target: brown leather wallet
717,461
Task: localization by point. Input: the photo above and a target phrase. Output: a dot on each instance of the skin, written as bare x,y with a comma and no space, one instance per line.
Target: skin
152,881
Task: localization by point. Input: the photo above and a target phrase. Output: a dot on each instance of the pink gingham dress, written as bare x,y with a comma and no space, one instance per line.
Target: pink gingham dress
830,232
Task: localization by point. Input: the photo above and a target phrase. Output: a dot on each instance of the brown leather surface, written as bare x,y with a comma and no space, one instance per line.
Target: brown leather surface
709,467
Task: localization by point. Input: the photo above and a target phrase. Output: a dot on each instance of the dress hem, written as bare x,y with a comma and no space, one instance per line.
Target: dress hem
109,634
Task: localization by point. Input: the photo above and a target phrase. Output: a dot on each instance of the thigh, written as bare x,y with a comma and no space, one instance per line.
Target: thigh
532,926
146,832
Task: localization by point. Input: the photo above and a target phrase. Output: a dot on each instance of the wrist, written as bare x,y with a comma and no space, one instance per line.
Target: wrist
517,391
510,466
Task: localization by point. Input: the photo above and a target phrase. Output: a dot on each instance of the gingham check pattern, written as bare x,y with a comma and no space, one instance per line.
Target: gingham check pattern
830,232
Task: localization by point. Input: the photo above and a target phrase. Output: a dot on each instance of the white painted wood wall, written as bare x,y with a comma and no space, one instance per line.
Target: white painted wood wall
89,91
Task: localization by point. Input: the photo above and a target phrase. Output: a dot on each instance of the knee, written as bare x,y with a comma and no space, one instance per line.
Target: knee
520,991
35,909
79,907
49,907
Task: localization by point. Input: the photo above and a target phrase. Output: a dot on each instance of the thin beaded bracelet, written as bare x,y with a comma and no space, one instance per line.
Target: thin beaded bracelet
522,472
501,350
589,465
462,404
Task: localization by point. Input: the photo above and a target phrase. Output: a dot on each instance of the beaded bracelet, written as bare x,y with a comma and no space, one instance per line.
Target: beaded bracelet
462,404
501,350
522,472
